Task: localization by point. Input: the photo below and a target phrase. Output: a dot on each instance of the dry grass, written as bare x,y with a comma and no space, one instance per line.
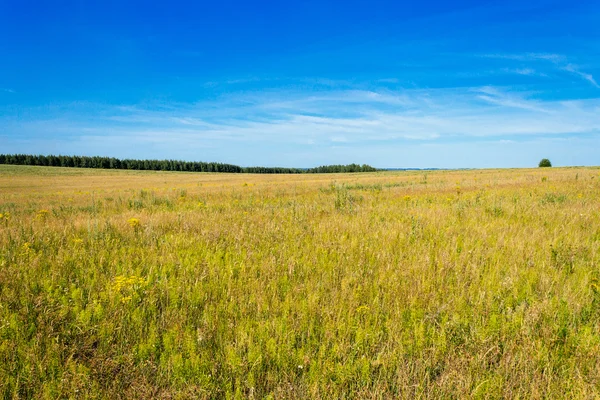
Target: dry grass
118,284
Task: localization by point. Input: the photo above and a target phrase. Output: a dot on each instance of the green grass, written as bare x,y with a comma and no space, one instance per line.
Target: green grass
477,284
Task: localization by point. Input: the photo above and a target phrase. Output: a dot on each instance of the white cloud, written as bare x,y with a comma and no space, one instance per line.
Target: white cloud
339,139
559,61
555,58
389,80
501,98
575,69
524,72
238,128
345,117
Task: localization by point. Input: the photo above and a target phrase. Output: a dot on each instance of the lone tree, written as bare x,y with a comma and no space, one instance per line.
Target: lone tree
545,163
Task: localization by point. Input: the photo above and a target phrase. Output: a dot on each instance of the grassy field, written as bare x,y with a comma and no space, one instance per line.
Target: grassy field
452,284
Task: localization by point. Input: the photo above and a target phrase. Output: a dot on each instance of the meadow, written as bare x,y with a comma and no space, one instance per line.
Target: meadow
404,284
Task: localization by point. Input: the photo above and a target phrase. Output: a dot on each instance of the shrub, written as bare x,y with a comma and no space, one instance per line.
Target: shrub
545,163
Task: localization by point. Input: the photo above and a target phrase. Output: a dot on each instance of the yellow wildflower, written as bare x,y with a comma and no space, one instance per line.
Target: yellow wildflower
128,287
362,309
133,222
42,214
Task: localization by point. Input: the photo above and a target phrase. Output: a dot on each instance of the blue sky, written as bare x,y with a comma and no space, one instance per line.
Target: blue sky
298,84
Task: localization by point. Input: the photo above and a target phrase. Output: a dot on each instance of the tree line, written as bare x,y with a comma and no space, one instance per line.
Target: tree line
166,165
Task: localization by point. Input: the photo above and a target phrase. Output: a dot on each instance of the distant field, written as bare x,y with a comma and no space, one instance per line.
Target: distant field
409,284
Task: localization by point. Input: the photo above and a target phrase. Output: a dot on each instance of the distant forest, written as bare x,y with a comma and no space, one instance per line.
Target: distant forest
167,165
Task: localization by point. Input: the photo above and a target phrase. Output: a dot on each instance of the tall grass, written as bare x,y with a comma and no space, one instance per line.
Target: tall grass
382,285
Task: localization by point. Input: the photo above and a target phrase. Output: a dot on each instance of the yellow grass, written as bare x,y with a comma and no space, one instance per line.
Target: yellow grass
124,284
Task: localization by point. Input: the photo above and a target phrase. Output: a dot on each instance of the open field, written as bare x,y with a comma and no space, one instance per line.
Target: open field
118,284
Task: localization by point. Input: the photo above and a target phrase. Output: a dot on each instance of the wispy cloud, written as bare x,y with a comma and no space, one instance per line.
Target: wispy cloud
495,96
559,61
555,58
332,126
6,90
575,70
524,72
340,116
389,80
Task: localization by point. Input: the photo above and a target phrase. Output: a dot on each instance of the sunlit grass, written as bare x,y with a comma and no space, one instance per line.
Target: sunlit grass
119,284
